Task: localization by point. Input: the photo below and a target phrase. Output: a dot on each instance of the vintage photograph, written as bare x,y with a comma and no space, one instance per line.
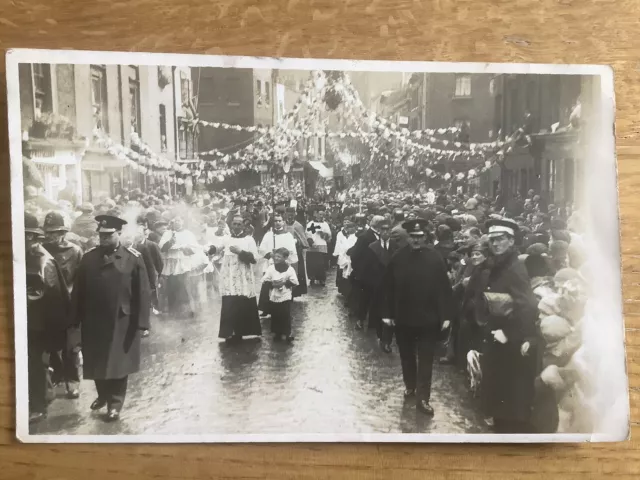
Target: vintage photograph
249,249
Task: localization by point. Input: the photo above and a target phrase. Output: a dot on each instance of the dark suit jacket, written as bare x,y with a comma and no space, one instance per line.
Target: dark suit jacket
417,289
376,263
358,254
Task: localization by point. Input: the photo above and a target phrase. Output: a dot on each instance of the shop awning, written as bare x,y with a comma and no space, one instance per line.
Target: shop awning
98,160
322,169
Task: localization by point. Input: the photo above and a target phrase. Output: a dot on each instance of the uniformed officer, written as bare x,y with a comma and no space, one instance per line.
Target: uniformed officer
111,304
64,361
420,305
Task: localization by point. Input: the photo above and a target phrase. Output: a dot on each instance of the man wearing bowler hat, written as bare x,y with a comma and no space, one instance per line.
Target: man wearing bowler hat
420,305
111,304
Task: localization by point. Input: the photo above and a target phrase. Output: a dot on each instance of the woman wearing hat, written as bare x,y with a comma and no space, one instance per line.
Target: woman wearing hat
509,359
472,318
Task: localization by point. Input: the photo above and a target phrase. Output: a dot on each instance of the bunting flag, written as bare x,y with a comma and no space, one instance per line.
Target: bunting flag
363,136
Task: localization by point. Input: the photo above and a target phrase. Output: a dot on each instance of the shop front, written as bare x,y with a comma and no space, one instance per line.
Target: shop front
102,175
561,171
58,162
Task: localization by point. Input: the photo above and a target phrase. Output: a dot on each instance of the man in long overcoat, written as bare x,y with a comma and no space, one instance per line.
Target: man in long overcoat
419,305
67,255
508,362
111,304
380,253
359,255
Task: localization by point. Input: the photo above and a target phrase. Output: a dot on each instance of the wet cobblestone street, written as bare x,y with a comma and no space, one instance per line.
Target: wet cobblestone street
332,379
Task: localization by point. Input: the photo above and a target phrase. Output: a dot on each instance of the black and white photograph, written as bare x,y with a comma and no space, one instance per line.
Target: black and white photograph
243,249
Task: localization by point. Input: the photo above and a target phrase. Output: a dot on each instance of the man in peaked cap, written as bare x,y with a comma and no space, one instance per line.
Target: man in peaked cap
420,306
510,349
111,304
64,360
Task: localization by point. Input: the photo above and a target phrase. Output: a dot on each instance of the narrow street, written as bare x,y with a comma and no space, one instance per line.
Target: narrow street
333,379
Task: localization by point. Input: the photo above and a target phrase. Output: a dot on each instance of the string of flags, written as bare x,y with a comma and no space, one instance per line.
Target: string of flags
141,158
389,144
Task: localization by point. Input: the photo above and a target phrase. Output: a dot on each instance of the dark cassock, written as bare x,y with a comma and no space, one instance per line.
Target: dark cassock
419,304
508,365
297,230
111,304
63,360
48,305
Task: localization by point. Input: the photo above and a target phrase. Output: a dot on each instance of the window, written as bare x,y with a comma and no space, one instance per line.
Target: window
259,92
463,86
134,100
42,89
99,98
267,93
185,89
163,128
186,140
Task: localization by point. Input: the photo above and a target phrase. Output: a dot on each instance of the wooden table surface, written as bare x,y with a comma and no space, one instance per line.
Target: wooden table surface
541,31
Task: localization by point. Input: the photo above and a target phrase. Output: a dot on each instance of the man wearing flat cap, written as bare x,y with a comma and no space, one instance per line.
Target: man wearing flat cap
111,305
509,337
420,305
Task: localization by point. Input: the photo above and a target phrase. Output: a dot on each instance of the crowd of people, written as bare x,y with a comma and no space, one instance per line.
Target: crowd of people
496,286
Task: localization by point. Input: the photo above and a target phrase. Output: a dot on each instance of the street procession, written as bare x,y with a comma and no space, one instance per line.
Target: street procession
357,254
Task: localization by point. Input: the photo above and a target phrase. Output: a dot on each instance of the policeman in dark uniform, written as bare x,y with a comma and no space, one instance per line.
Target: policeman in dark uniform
111,304
420,307
64,361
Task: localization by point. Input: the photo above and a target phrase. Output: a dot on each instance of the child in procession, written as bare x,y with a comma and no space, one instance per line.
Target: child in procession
280,278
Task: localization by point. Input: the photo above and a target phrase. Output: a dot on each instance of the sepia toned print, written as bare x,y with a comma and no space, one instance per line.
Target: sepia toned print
236,249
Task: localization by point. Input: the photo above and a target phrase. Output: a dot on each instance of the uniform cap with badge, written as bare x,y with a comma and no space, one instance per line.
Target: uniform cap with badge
110,223
417,227
503,226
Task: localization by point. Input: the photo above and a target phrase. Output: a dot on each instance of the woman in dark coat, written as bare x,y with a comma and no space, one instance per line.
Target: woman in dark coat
472,318
508,361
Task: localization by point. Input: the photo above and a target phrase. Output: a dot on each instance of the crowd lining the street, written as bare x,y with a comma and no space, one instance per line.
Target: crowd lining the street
497,286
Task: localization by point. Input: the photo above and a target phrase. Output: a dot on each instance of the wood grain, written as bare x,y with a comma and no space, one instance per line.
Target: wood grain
540,31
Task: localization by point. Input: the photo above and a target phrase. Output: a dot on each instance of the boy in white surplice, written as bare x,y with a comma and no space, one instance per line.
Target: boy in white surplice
280,278
277,237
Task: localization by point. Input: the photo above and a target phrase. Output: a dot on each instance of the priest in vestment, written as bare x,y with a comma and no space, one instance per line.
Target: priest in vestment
239,314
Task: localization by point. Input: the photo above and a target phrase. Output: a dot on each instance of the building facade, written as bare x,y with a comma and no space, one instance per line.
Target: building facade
61,105
545,159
